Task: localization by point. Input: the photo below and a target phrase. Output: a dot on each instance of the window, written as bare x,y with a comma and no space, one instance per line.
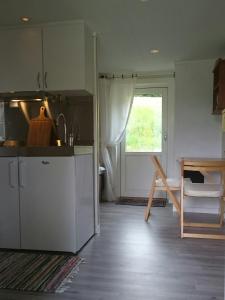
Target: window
144,128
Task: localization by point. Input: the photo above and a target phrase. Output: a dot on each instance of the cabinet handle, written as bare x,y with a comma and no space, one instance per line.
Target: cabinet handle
45,162
46,80
38,80
21,174
12,174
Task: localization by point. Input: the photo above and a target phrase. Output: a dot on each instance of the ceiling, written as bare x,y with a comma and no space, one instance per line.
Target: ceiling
128,29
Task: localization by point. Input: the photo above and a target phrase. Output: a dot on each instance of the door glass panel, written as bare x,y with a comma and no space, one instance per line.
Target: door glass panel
144,128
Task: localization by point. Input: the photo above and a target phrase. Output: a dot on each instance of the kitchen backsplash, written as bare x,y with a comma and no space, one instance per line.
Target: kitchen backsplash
2,121
78,112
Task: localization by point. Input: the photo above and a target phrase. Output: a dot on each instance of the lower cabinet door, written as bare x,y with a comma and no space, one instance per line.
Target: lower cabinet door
47,203
9,203
84,198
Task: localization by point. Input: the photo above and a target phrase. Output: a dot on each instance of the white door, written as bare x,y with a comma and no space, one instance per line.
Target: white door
146,134
9,203
21,59
47,203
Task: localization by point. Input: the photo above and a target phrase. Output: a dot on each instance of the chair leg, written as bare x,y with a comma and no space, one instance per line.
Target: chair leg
150,198
174,200
222,206
148,208
182,209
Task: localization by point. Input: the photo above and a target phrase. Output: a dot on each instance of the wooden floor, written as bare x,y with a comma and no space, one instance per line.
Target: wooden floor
134,260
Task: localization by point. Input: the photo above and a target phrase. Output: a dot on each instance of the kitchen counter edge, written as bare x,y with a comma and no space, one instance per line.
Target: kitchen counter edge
45,151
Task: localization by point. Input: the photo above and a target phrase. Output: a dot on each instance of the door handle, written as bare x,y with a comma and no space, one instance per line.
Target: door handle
38,80
21,174
45,79
165,137
12,174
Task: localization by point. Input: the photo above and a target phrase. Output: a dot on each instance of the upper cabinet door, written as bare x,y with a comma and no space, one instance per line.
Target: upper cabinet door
21,60
65,50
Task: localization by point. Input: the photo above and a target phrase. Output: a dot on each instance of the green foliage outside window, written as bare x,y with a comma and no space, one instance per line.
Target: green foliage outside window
144,129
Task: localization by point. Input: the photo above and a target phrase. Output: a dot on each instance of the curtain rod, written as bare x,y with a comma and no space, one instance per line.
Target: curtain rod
134,75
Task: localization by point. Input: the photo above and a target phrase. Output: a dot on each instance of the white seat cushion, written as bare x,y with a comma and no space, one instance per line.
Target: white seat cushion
202,190
172,182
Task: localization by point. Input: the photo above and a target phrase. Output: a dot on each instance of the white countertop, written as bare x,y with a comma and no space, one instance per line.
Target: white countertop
80,150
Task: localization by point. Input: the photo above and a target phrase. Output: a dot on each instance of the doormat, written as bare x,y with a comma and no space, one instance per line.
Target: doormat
157,202
37,272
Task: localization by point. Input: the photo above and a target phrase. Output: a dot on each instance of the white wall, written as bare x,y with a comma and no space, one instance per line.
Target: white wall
197,132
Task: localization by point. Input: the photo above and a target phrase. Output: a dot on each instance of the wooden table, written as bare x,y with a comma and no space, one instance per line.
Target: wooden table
206,166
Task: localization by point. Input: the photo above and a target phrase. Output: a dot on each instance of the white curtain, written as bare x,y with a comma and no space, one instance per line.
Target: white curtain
115,97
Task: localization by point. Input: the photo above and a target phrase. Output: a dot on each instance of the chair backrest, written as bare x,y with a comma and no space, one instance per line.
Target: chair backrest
159,172
158,166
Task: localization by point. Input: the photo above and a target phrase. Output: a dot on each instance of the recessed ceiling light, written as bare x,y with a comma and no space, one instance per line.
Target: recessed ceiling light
154,51
24,19
143,0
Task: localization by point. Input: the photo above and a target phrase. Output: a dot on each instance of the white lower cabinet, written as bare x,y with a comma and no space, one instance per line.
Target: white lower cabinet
9,203
47,203
84,198
42,205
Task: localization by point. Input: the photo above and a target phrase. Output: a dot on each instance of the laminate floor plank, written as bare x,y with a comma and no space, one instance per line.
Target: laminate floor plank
135,260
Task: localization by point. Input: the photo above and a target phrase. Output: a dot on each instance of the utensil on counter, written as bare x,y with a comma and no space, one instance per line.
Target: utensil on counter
10,143
39,133
71,139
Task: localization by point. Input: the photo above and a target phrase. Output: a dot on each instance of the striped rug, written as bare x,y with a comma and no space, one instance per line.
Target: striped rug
36,272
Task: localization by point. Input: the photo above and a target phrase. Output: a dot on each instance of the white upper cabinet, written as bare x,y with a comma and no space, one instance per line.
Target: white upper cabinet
54,57
67,54
20,59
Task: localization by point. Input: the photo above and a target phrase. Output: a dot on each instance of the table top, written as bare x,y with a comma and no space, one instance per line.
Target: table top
203,158
203,161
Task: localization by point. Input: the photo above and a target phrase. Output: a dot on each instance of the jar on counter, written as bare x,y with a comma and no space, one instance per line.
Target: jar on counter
71,139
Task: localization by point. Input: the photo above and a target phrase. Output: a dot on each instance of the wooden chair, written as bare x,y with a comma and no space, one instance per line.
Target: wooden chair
161,183
203,190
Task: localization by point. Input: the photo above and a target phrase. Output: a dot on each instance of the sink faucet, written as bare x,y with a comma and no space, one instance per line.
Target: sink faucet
61,115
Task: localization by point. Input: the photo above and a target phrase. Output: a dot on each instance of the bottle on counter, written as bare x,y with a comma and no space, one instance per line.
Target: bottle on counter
71,139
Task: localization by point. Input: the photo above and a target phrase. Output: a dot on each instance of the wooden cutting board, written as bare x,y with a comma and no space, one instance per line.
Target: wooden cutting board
39,133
